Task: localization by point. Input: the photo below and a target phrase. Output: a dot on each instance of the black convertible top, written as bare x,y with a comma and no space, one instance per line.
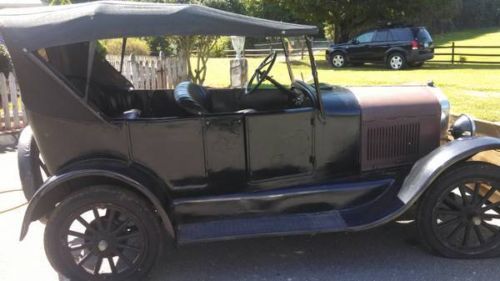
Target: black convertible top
35,28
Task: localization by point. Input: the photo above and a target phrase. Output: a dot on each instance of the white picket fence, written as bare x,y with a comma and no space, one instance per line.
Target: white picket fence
151,73
12,117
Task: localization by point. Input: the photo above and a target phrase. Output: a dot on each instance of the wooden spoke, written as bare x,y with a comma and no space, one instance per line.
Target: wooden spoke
479,235
467,234
98,265
448,222
77,234
455,231
112,265
84,259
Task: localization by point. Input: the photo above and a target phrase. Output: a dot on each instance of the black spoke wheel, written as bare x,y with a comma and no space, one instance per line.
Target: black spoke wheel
103,233
460,214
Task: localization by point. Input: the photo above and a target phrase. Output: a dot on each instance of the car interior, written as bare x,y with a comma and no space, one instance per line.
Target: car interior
111,94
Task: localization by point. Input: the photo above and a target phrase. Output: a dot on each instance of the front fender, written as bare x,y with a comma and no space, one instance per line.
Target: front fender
54,189
429,168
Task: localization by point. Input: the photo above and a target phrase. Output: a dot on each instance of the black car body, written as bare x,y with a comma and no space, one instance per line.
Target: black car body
132,168
414,46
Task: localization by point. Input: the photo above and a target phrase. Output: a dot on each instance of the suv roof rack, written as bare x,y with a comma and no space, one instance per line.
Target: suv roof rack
390,24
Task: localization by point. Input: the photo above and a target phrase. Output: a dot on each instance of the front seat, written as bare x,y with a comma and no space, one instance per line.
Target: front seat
192,98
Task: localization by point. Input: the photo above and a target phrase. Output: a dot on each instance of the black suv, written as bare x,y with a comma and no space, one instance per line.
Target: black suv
397,47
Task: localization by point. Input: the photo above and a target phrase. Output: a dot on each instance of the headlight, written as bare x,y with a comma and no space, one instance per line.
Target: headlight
445,109
464,126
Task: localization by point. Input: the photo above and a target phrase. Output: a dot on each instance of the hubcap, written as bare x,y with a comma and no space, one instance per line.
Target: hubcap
396,62
102,246
467,217
338,61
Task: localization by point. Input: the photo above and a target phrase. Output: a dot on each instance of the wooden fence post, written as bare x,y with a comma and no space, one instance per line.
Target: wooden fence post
453,53
4,92
14,100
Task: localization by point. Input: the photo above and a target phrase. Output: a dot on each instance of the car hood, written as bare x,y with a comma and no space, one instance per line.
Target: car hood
391,102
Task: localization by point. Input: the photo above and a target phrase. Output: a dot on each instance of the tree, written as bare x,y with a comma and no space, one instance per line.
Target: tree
347,17
59,2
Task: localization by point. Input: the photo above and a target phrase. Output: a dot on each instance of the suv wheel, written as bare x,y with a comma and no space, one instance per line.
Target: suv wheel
396,61
338,60
460,213
103,233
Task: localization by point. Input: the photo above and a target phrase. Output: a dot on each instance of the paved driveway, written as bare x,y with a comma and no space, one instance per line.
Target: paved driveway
388,253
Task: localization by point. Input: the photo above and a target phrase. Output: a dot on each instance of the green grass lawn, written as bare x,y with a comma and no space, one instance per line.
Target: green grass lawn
472,89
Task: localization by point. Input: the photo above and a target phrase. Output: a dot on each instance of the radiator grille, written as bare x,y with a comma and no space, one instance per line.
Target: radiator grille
400,141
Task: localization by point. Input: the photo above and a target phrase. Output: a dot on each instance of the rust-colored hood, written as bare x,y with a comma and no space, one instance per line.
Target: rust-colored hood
398,124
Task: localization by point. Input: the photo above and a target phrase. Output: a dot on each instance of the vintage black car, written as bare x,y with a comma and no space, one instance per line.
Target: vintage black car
130,171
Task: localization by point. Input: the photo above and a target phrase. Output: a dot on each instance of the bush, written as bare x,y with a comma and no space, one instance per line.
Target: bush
134,46
5,61
223,43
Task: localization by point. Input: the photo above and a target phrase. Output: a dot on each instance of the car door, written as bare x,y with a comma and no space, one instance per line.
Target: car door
380,44
280,144
360,48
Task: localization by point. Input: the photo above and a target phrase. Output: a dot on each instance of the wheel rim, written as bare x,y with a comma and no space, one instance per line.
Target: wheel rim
104,241
467,216
396,62
338,60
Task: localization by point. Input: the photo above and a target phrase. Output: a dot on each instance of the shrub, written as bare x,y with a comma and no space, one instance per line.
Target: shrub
223,43
5,61
134,46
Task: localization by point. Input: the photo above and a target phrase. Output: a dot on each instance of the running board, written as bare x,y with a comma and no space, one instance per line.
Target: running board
288,224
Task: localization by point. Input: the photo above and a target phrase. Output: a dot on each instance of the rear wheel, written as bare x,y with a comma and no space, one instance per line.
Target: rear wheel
396,61
338,60
459,217
103,233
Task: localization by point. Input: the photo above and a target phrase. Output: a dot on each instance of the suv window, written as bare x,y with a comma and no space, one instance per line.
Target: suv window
365,37
381,36
402,34
424,36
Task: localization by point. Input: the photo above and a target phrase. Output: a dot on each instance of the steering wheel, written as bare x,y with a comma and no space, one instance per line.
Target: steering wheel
260,74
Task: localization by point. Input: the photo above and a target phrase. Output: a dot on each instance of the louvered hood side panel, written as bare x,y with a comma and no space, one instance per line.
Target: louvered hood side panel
399,125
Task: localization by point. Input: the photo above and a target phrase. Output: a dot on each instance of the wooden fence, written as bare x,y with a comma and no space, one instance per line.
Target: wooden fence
454,54
149,72
12,117
460,57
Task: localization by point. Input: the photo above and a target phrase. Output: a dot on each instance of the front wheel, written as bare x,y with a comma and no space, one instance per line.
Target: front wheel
103,233
338,60
459,216
396,61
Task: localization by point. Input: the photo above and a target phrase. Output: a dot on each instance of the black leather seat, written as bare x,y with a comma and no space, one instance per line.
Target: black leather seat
192,98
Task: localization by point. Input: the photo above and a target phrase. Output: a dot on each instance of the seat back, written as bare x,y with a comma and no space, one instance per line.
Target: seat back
192,98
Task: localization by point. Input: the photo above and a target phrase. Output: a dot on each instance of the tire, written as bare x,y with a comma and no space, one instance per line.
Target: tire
452,219
396,61
338,60
32,170
416,64
126,238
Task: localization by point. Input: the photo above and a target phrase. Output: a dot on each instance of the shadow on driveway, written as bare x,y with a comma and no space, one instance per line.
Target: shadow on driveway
391,252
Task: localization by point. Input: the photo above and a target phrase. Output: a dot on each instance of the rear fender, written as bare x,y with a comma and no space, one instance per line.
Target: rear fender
429,168
58,186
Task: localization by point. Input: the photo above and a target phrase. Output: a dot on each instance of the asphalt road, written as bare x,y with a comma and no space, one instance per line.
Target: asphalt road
391,252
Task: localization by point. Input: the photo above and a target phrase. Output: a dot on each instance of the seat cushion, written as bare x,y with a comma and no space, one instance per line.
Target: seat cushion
192,98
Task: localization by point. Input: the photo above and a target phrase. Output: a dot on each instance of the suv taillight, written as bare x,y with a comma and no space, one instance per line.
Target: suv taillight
414,45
